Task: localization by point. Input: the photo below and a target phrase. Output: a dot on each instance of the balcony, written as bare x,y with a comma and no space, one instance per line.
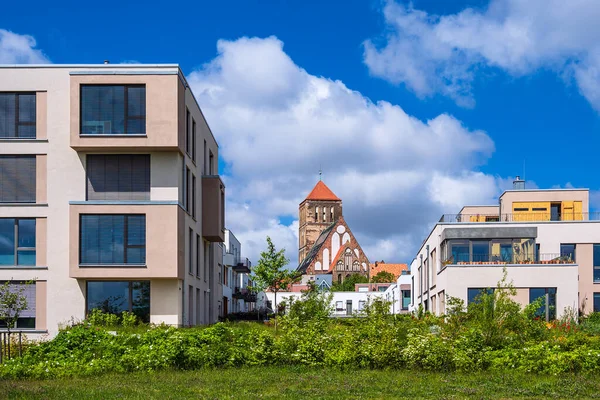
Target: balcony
519,217
213,208
243,267
244,294
508,259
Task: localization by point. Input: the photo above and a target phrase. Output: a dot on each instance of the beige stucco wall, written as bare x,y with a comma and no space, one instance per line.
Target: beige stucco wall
482,210
162,116
61,173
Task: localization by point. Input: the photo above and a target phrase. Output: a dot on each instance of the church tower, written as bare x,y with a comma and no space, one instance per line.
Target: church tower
320,209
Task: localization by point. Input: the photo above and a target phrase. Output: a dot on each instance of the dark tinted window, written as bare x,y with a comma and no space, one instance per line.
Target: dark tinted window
118,296
17,179
118,177
548,305
113,109
17,115
113,239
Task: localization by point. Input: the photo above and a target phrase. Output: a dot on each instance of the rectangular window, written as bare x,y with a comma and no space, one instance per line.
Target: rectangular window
191,251
113,110
17,115
17,179
596,263
474,294
339,306
193,140
114,297
405,299
17,241
107,239
193,196
547,310
596,302
206,259
118,177
187,131
481,250
187,191
197,255
211,162
26,318
567,252
204,169
521,209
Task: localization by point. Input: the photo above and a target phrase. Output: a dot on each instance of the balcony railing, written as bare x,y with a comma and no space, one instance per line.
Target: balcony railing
244,294
243,267
520,217
498,259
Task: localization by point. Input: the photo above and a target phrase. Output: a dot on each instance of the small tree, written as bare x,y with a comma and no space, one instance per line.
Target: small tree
270,273
12,303
383,277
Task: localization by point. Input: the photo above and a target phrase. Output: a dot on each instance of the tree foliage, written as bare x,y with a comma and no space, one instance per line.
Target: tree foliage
383,277
12,302
270,272
348,284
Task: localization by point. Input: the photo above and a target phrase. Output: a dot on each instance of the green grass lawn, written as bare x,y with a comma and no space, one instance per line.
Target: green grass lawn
301,383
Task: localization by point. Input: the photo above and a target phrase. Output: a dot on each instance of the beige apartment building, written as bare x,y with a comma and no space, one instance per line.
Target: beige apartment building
548,241
110,195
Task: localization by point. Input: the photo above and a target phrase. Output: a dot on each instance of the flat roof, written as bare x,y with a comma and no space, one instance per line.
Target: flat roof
548,190
102,65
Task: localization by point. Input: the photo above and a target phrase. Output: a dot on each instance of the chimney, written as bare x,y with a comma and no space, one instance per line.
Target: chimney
518,184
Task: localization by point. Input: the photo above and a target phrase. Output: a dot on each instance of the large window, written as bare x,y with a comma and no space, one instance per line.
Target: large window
17,115
17,179
597,263
405,299
118,177
492,250
474,294
567,252
17,241
547,310
113,109
112,239
596,302
114,297
26,318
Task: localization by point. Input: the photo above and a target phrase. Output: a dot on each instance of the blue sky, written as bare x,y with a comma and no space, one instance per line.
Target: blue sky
527,80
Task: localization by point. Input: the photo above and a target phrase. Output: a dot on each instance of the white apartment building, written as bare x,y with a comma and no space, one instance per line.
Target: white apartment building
547,240
237,297
110,195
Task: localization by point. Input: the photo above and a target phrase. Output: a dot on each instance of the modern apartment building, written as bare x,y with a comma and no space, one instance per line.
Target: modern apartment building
236,270
110,195
548,241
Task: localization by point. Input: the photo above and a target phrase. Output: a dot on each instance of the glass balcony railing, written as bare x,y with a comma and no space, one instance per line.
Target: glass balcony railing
506,259
520,217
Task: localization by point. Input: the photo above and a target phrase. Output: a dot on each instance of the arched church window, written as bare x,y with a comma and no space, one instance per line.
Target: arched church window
316,214
340,265
355,266
348,259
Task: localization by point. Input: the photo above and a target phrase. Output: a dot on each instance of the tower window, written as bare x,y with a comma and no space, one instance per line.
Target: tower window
316,214
348,259
324,214
331,214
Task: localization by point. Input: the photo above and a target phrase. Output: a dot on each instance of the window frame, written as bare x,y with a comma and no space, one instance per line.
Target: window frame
147,159
596,263
17,122
17,248
126,115
126,246
130,293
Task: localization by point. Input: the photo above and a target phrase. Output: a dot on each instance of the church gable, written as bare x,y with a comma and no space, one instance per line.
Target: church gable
338,244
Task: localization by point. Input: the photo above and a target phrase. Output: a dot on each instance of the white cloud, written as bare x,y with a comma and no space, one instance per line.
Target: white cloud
19,49
441,54
277,124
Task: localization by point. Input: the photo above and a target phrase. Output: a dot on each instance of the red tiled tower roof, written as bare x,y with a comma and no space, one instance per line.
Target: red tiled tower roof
322,192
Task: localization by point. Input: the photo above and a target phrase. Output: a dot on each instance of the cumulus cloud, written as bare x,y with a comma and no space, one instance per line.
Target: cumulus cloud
277,124
19,49
442,54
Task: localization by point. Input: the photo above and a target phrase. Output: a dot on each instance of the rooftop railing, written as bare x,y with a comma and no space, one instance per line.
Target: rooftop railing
504,259
520,217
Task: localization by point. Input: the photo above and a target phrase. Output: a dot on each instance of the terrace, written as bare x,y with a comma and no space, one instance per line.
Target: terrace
520,217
